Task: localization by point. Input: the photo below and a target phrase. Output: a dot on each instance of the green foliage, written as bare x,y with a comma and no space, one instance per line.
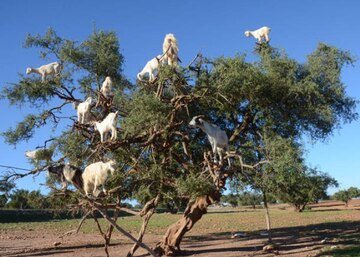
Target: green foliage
23,131
243,199
194,185
61,202
146,112
342,195
250,198
354,192
3,200
100,54
282,94
6,186
265,107
24,199
74,146
50,43
30,91
307,187
144,194
230,199
346,195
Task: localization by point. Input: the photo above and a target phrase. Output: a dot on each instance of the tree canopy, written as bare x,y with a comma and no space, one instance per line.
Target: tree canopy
264,106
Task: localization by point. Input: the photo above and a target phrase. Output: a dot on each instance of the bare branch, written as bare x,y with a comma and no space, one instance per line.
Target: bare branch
146,213
125,233
79,226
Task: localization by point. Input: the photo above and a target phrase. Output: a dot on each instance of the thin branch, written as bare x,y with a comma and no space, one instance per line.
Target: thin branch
146,213
79,226
136,213
125,233
193,60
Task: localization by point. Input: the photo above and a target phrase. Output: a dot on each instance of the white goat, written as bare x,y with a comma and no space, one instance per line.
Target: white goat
150,68
170,49
96,174
107,125
259,34
83,110
106,87
46,70
67,173
217,137
39,155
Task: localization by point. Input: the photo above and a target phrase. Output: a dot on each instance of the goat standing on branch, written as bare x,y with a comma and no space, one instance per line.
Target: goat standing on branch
96,175
46,70
67,173
107,125
218,139
40,155
106,87
150,68
260,34
170,50
83,110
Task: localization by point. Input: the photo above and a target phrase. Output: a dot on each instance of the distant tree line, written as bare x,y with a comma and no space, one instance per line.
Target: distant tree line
298,199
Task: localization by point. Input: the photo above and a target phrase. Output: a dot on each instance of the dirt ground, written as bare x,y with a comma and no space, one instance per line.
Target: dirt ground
30,243
293,241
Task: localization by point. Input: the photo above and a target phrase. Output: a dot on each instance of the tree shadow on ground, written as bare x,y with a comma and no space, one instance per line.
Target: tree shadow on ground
333,237
70,250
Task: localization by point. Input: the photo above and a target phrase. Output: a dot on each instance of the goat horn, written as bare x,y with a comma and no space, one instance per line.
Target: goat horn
199,116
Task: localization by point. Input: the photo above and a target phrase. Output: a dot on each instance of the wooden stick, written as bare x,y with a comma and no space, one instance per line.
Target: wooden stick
125,233
146,213
79,226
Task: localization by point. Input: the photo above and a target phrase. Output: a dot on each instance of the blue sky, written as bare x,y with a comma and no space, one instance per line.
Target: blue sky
216,28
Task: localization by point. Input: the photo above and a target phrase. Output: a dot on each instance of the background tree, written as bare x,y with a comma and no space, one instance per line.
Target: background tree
250,198
346,195
309,187
354,192
343,195
5,188
231,199
19,199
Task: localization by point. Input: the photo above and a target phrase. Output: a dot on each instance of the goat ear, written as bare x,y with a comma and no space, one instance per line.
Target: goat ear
201,121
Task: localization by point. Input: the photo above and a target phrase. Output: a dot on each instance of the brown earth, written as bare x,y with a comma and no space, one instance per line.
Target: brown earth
291,240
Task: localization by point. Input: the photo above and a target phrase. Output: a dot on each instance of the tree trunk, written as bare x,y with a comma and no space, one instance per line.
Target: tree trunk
303,207
267,215
173,237
297,207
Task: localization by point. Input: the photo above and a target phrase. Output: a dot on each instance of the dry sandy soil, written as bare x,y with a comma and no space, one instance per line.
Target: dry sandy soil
292,241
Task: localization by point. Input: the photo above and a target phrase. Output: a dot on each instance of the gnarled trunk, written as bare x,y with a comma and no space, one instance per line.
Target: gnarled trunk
173,237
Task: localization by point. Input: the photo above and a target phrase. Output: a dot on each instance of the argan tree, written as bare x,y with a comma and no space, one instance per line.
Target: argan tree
346,195
159,157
